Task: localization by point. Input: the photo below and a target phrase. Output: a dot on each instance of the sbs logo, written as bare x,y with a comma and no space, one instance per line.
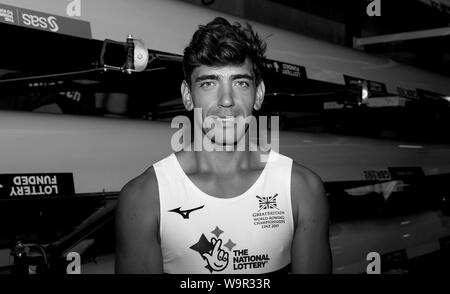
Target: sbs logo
40,22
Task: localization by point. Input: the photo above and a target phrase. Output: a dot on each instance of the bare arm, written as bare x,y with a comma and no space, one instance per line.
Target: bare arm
138,247
311,252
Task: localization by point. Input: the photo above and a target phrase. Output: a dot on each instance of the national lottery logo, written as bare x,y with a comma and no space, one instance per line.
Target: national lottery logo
212,252
219,255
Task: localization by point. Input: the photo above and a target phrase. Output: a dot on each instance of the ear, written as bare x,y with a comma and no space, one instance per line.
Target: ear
186,96
260,92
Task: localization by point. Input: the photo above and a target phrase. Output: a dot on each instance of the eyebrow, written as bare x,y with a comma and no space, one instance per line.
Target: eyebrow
206,77
217,77
243,76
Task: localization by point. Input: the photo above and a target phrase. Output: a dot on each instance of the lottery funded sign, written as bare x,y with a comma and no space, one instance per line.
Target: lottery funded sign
36,185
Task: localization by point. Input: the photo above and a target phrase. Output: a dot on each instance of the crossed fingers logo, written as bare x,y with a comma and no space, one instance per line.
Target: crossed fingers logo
217,259
213,251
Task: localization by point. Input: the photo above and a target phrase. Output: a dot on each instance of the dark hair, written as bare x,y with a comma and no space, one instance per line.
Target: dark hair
220,43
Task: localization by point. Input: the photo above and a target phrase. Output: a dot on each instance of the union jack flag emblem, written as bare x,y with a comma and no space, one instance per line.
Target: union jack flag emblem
267,202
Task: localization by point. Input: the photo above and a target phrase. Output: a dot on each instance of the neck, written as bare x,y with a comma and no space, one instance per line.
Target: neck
228,158
219,162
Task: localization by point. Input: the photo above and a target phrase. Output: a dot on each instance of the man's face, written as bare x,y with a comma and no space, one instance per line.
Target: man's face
225,94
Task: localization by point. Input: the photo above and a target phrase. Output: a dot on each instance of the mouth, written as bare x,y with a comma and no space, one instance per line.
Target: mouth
226,119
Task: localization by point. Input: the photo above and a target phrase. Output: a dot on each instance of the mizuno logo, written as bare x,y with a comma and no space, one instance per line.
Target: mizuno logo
185,213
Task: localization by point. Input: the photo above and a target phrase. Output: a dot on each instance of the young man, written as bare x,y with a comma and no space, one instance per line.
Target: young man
223,211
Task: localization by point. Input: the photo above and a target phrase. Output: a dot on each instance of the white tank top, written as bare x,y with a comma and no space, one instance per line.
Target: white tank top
250,233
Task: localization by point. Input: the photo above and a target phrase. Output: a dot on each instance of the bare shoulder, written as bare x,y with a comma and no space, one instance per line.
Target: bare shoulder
304,179
140,196
307,193
137,226
310,246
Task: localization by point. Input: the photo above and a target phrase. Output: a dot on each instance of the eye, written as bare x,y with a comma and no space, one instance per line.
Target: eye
242,84
206,84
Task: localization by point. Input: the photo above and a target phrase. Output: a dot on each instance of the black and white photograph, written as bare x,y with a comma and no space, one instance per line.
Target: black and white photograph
225,137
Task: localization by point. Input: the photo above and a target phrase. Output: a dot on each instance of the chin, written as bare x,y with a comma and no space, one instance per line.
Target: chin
228,141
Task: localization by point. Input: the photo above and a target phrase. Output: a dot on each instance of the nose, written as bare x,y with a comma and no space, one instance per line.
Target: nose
226,98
